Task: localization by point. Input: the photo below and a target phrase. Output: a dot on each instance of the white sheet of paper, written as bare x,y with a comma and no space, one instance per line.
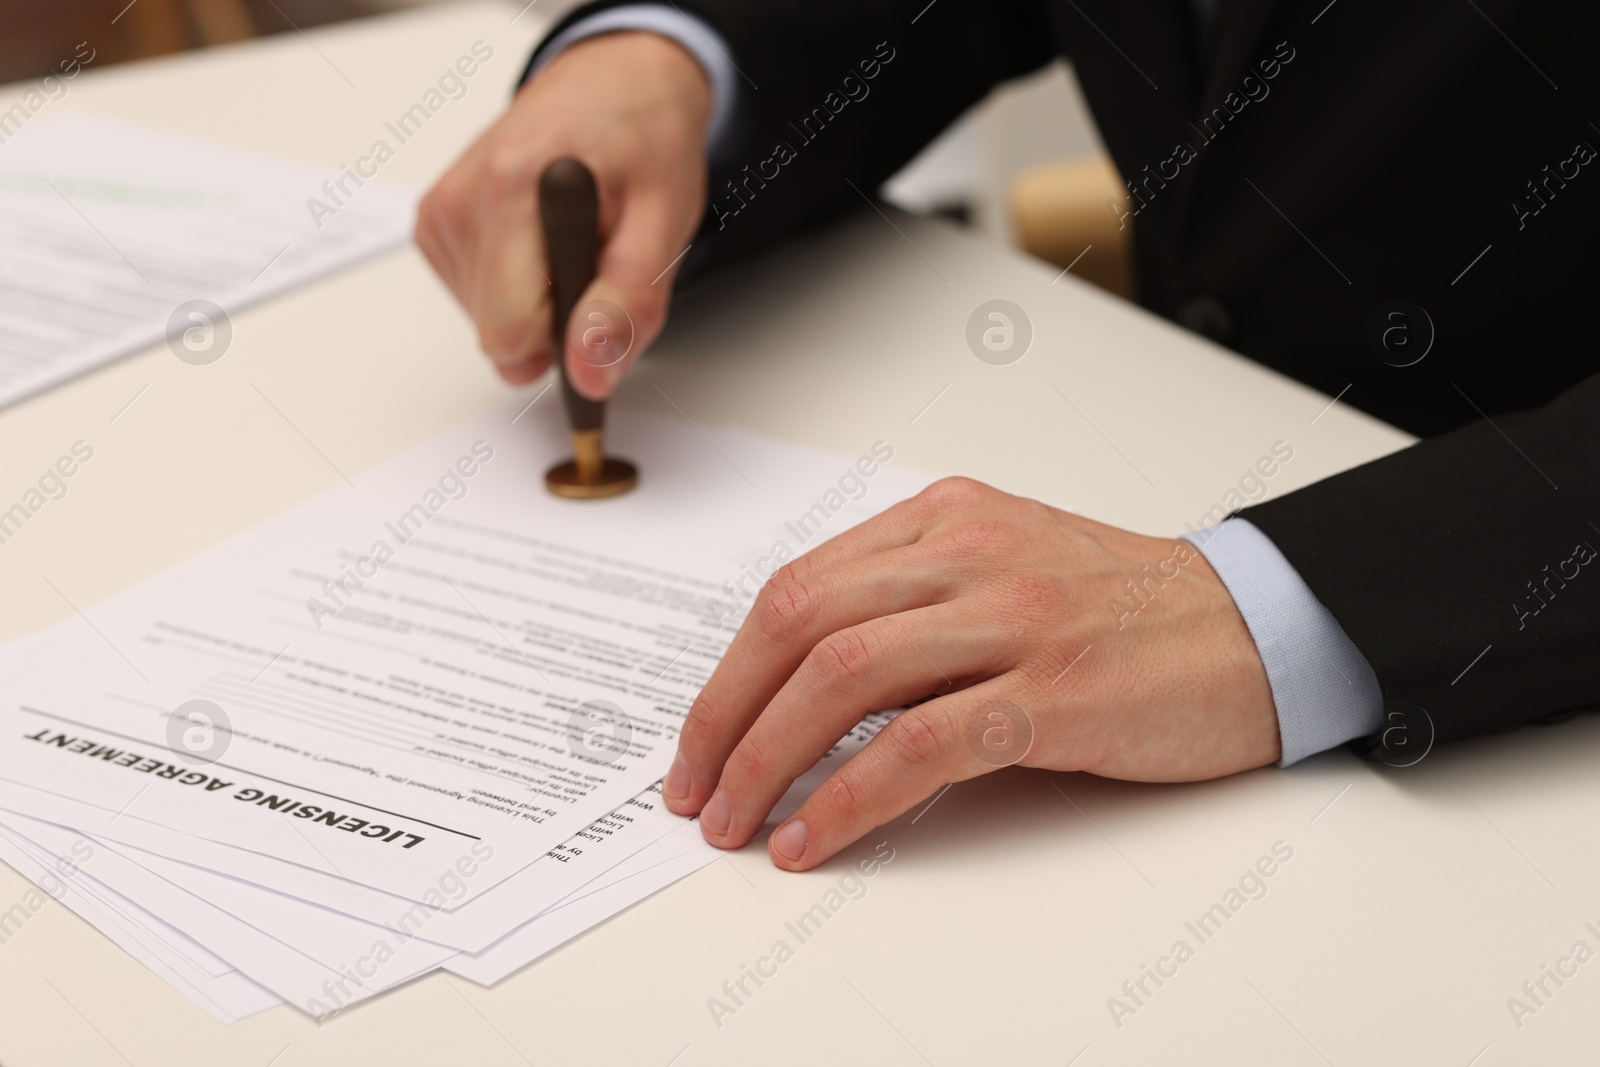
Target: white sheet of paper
392,950
182,962
627,885
573,866
390,692
404,709
108,228
398,708
649,836
385,949
286,972
473,926
676,850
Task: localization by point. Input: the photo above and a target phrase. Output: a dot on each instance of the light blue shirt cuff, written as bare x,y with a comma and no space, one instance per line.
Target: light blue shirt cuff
693,34
1325,691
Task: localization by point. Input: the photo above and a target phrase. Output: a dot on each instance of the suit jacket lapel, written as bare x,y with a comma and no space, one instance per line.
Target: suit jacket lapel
1240,26
1159,43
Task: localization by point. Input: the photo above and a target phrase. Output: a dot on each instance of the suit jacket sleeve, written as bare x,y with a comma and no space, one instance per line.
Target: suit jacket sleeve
1465,567
835,92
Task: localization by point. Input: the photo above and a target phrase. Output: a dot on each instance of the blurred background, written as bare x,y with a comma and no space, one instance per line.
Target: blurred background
34,35
1025,165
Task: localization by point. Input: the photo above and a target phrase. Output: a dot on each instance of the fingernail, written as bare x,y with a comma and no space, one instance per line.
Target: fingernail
676,785
716,815
789,840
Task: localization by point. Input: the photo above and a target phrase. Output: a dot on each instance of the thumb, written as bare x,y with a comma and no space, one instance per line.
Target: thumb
624,309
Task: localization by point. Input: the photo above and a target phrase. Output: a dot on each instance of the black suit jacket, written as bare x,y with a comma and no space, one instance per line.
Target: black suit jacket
1332,158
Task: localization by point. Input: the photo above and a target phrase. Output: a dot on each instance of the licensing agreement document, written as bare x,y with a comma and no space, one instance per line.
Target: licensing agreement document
114,236
435,664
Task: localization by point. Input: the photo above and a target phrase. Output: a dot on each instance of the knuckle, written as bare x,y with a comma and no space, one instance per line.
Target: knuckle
702,727
753,761
785,607
441,208
954,490
505,172
842,798
982,537
917,740
844,658
796,570
430,209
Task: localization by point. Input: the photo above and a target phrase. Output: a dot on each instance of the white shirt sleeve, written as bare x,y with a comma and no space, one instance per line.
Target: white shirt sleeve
1325,691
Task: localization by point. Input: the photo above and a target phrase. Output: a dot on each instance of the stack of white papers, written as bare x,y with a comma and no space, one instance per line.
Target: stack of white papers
116,235
412,724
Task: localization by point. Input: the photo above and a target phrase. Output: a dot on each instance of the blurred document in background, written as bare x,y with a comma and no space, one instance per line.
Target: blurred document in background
114,235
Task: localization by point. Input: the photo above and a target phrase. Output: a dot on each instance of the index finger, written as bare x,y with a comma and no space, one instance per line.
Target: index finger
792,614
510,292
920,750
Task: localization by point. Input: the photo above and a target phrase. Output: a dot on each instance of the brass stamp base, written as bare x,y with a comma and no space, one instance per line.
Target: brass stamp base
616,476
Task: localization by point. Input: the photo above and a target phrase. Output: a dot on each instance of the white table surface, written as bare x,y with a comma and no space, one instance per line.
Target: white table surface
1416,902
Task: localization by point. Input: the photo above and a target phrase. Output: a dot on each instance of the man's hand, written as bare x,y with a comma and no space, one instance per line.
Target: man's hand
1049,640
633,107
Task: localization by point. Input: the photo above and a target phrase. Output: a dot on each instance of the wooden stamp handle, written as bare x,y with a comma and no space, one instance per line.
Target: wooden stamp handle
569,208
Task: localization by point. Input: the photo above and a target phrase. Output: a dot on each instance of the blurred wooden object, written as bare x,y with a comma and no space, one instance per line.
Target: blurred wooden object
1068,213
36,37
164,26
221,21
156,27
